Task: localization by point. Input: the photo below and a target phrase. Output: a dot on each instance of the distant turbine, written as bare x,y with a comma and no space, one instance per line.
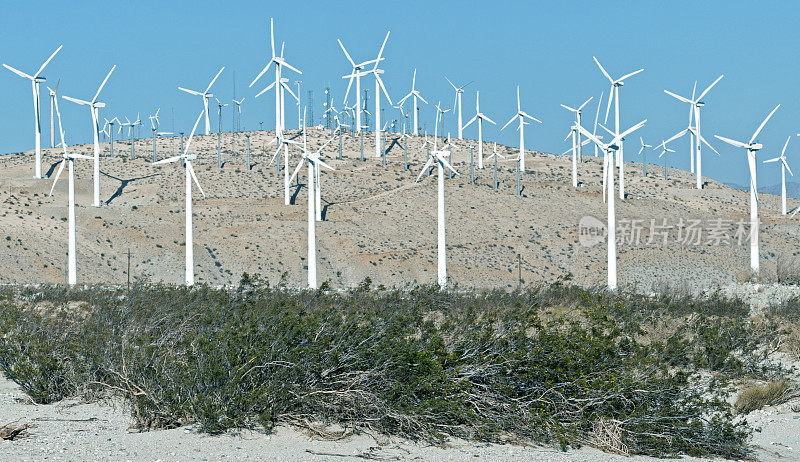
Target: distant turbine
609,149
752,148
206,95
664,152
94,108
239,114
480,117
784,168
190,176
695,105
36,79
72,277
521,115
279,64
457,104
416,95
643,152
576,139
378,87
356,74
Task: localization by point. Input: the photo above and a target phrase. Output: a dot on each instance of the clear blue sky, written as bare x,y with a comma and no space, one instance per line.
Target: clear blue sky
546,47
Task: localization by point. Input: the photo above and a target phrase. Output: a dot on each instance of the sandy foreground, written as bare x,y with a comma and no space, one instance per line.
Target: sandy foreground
71,430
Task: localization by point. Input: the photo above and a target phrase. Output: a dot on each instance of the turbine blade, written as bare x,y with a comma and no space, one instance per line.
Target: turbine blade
104,83
189,141
610,100
628,131
265,90
761,127
509,121
444,162
47,62
353,63
168,160
260,74
787,167
775,159
191,92
706,143
291,67
738,144
76,100
629,75
699,98
424,169
58,174
194,177
297,170
18,72
678,97
585,103
602,69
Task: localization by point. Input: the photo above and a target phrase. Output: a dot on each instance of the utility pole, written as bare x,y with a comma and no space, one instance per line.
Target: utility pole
328,106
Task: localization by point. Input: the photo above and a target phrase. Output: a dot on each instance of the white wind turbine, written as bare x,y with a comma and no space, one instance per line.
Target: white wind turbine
415,94
378,87
440,157
190,176
609,149
53,102
578,112
356,74
521,115
695,105
206,95
784,168
72,278
94,109
643,150
614,96
312,159
239,113
457,103
480,117
279,65
36,79
664,152
752,148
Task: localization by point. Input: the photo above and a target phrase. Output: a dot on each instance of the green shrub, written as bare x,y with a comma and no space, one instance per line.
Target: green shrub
551,364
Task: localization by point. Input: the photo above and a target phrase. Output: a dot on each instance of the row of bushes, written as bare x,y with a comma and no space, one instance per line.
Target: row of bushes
555,364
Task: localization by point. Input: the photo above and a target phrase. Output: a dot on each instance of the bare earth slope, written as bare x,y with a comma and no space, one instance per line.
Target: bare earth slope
378,223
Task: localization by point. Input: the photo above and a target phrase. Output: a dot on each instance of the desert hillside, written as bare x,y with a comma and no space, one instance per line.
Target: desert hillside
377,222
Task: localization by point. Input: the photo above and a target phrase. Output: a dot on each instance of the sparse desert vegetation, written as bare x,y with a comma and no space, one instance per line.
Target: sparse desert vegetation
553,364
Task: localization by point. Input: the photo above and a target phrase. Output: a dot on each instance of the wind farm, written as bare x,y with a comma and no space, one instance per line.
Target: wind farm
461,283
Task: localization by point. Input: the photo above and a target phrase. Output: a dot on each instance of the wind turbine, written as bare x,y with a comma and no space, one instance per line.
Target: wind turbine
609,149
187,159
219,132
416,95
283,142
154,129
479,117
356,74
53,102
440,157
132,134
457,104
664,152
574,133
312,159
695,105
378,87
613,95
279,64
72,278
578,112
784,168
36,79
521,115
206,95
752,148
643,149
94,108
439,118
239,113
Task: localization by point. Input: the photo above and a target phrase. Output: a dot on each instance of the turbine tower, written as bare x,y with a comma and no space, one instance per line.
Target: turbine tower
94,109
53,102
36,79
206,95
69,159
752,148
440,157
190,176
312,159
609,149
378,87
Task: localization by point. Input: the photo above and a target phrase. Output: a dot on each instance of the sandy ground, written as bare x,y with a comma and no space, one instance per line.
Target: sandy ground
71,430
378,222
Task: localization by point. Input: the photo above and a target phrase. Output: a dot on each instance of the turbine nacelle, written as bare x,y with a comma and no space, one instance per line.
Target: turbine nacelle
39,79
